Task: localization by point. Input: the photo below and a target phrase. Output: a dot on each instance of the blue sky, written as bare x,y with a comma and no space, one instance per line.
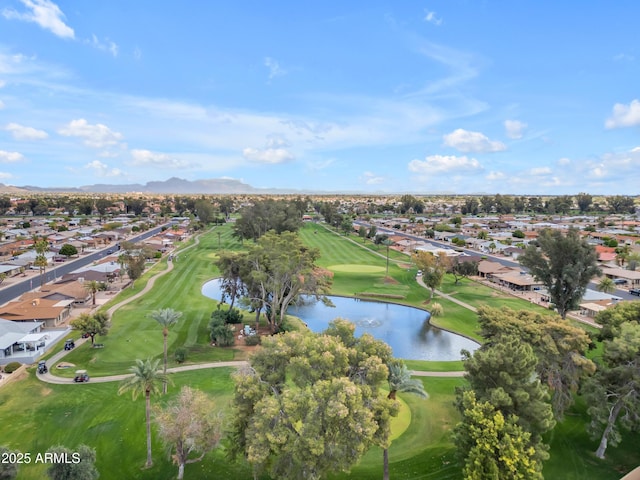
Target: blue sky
460,96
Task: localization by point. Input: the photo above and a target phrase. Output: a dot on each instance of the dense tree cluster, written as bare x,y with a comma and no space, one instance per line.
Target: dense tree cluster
613,393
559,348
526,372
272,274
311,404
265,215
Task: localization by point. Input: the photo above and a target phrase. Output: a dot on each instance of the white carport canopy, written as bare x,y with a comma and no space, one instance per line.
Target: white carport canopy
34,337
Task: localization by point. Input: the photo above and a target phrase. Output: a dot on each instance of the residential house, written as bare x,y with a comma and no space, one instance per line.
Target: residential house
87,276
594,302
487,269
12,339
51,312
606,254
513,252
66,293
631,277
516,280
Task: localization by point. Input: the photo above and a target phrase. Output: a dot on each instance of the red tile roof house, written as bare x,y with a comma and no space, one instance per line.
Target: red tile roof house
51,312
606,254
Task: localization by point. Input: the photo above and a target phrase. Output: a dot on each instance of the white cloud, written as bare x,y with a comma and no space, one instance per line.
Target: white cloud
103,170
623,57
155,159
137,53
624,115
564,161
20,132
10,157
432,18
622,165
96,136
268,155
436,164
2,83
5,175
275,70
466,141
106,46
320,164
370,178
539,171
493,176
1,104
514,128
45,13
274,152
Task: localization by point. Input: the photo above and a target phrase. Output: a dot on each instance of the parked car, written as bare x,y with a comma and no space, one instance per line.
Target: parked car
634,291
81,376
69,344
42,367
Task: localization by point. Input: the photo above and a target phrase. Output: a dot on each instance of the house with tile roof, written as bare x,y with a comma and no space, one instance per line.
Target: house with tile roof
51,313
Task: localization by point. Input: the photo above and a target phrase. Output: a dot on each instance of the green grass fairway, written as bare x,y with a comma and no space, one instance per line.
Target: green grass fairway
356,268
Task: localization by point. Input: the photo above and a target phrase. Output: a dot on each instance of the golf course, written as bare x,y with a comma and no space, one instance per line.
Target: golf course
35,415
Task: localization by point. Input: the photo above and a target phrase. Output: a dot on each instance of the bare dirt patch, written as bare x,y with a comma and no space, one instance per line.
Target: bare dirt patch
240,345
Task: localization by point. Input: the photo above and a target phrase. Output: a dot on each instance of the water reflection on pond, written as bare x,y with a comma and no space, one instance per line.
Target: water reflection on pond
406,329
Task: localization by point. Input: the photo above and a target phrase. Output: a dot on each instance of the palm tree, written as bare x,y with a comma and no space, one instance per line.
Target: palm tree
92,287
165,317
41,247
606,285
387,242
146,379
400,381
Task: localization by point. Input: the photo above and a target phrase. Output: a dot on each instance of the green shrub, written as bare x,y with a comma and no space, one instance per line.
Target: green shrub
12,367
436,309
227,316
180,354
223,335
234,316
252,340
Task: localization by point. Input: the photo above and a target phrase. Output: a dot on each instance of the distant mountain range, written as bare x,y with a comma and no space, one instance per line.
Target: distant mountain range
173,185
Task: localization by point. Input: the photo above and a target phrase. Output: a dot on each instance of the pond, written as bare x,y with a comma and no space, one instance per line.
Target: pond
405,329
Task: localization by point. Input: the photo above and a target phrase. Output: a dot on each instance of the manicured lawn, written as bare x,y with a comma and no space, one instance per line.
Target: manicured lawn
135,335
95,415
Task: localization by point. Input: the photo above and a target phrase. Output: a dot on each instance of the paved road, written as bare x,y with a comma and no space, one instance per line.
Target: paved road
11,292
